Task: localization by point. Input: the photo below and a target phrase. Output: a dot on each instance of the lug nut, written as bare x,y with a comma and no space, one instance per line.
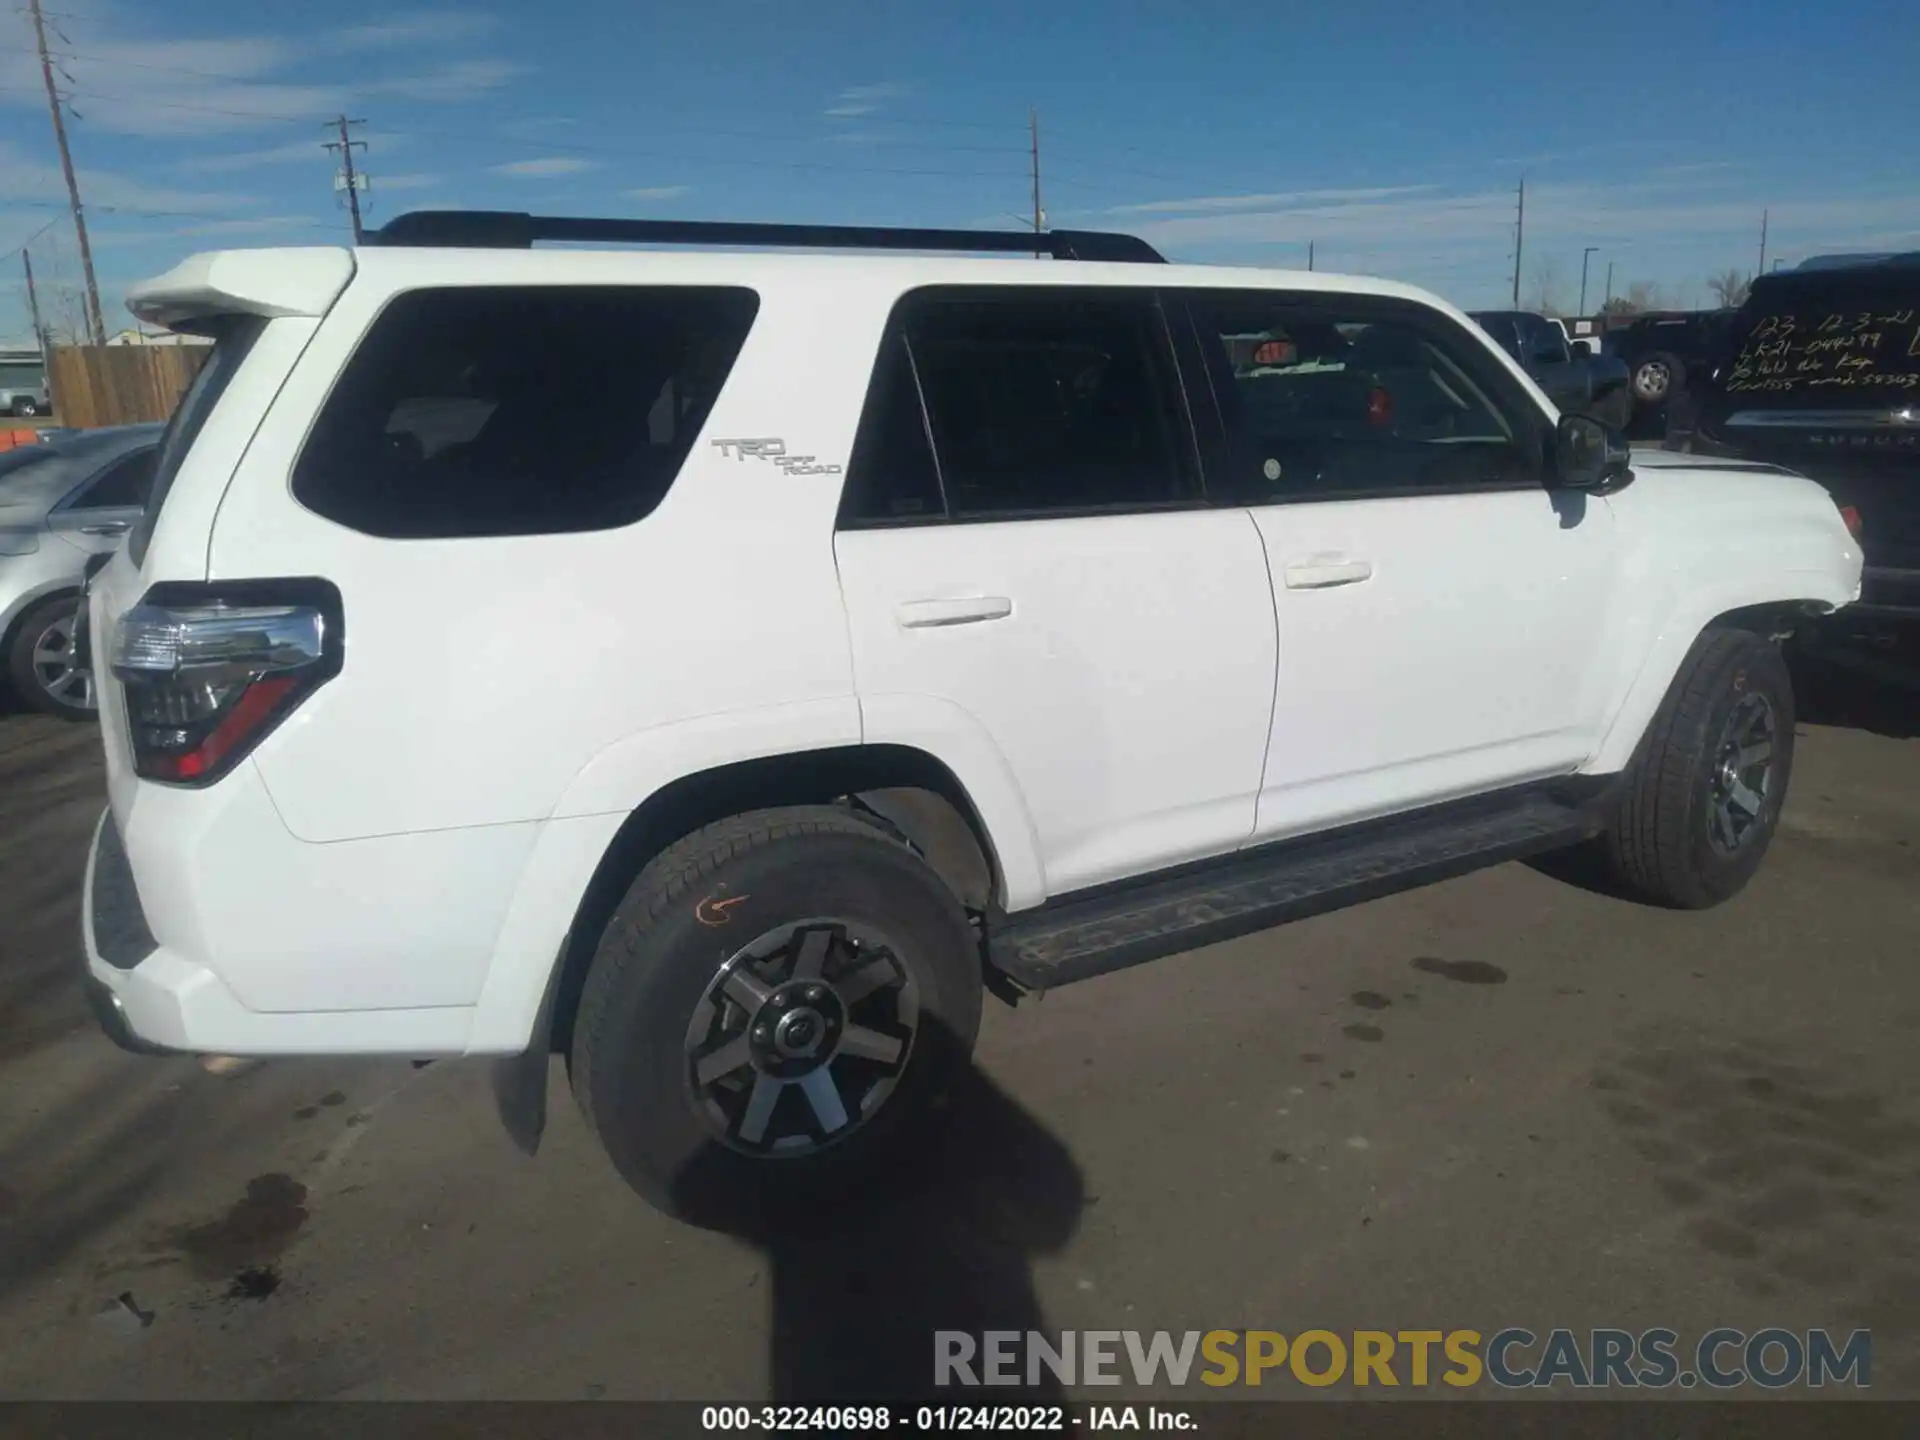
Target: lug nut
763,1035
815,994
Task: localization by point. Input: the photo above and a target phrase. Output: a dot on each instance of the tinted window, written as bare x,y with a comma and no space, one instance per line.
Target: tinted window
1049,401
233,338
124,484
1320,403
519,411
893,478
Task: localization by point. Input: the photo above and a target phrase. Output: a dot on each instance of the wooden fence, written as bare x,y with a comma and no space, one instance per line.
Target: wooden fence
95,385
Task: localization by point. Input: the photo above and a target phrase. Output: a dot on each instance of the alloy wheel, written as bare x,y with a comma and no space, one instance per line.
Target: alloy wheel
57,668
1743,775
801,1036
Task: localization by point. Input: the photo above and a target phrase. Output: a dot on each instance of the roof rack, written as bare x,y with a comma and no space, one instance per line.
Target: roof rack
512,230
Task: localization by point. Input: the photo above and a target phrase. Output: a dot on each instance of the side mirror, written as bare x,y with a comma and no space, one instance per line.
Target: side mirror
1589,456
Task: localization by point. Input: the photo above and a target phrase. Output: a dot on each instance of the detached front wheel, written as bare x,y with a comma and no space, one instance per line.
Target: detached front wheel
773,1011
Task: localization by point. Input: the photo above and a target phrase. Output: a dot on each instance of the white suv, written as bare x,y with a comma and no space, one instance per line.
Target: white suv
719,666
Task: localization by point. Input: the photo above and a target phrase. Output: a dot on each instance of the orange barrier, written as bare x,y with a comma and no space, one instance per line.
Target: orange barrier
12,439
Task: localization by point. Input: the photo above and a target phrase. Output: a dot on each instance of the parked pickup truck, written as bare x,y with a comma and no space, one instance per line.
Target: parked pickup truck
1664,354
1594,385
1820,372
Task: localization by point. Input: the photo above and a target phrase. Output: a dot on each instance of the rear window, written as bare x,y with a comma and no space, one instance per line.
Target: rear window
233,337
528,410
1836,345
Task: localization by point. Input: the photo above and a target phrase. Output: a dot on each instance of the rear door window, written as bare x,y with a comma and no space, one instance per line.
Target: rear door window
123,485
1021,403
527,410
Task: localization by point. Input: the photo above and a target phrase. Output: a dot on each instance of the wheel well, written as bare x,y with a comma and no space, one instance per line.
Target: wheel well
910,791
1775,620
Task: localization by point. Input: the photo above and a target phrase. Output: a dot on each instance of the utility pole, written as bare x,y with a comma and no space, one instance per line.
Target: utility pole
94,322
1763,242
1039,215
1609,299
1519,238
33,302
1585,255
1309,255
347,179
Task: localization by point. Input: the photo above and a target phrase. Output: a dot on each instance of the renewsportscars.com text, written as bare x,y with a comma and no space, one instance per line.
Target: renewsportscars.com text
1512,1358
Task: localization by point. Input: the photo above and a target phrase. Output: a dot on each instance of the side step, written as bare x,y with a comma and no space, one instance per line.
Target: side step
1079,936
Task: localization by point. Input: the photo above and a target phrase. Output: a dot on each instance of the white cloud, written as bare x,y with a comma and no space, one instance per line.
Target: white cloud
1266,202
299,152
460,80
657,192
432,27
857,100
23,178
544,168
225,85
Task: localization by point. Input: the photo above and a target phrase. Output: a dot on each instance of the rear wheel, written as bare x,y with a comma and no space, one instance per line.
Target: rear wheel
1705,793
25,407
44,666
772,1012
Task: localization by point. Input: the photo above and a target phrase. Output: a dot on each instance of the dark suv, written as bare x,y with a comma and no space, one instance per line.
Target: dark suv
1821,373
1665,353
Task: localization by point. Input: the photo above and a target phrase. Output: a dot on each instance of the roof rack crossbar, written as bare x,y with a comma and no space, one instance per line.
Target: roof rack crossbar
507,229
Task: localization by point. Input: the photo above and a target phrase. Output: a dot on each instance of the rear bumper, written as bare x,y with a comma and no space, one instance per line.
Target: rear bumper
152,998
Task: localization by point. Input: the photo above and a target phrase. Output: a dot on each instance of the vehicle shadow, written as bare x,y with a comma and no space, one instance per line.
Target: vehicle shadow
1856,689
947,1242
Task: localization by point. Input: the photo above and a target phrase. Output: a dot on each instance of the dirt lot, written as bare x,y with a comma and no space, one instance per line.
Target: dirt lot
1503,1101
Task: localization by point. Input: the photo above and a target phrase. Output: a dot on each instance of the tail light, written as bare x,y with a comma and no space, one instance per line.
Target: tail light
210,670
1852,518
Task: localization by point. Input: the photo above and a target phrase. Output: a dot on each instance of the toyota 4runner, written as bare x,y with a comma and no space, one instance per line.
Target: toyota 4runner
721,666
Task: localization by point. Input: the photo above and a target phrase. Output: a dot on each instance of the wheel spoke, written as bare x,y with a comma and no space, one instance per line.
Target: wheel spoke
869,1044
766,1094
1741,796
812,958
45,654
1755,754
824,1096
876,974
746,988
723,1060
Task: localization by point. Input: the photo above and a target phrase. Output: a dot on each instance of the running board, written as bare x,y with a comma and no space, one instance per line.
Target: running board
1077,937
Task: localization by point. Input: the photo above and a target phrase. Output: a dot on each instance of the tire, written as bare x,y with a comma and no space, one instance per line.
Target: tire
656,1003
1658,378
1669,842
26,407
43,633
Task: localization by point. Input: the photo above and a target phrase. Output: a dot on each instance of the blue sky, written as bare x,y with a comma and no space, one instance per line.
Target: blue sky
1391,135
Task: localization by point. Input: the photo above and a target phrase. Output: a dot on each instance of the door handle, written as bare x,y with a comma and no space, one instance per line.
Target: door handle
1324,574
969,610
113,527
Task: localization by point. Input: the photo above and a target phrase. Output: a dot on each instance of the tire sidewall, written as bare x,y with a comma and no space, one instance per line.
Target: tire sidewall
1758,667
640,1100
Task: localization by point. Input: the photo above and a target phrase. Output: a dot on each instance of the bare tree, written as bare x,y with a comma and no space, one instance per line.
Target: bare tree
1644,295
1546,285
1730,288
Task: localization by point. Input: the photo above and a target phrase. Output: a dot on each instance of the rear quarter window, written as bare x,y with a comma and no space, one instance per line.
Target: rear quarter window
492,411
233,337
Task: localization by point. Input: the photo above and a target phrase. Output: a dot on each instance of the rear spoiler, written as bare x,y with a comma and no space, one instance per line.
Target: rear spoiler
269,283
